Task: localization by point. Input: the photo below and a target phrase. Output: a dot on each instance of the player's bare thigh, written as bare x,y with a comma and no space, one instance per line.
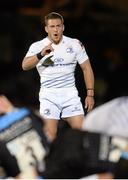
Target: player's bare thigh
75,121
50,128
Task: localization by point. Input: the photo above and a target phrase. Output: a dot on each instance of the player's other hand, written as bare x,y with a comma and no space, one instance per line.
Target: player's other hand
5,105
47,49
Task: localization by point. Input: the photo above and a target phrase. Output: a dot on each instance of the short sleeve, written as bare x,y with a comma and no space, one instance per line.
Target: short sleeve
32,50
81,54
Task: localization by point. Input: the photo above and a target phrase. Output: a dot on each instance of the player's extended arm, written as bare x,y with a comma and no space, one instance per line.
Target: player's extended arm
29,62
89,81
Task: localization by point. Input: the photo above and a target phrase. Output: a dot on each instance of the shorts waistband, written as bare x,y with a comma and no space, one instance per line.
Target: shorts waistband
57,89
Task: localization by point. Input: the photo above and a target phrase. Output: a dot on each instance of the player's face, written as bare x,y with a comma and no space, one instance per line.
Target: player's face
55,29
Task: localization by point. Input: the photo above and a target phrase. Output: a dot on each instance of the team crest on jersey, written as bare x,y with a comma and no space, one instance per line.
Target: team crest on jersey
47,112
69,50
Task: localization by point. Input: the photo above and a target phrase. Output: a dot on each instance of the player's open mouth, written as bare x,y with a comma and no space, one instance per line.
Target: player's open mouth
55,35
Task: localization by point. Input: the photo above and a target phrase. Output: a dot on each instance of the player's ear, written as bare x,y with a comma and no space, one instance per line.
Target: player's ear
63,27
46,29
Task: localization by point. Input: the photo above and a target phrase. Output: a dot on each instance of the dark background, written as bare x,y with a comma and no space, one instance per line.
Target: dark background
101,25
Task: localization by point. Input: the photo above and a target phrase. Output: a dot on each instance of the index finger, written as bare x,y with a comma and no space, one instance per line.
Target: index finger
50,43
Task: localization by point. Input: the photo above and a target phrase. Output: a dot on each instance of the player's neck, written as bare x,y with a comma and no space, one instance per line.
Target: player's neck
55,42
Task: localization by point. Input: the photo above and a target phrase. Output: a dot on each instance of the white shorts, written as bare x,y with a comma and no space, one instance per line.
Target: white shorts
60,103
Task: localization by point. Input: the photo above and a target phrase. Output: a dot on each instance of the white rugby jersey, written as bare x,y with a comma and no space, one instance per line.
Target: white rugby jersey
66,54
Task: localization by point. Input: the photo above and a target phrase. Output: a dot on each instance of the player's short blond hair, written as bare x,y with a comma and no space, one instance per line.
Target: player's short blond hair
53,15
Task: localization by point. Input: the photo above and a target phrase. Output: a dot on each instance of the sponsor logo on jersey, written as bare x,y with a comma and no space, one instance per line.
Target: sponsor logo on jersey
58,60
